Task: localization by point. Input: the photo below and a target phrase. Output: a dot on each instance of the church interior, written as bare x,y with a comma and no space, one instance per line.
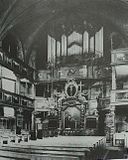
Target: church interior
64,67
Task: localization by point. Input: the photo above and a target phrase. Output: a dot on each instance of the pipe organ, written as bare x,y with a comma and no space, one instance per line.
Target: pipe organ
75,44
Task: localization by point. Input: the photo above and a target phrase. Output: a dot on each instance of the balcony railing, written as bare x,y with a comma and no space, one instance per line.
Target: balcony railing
118,96
120,56
18,67
76,72
44,104
10,98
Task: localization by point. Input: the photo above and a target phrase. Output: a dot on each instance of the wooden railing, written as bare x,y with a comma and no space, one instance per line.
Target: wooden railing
17,66
15,99
119,95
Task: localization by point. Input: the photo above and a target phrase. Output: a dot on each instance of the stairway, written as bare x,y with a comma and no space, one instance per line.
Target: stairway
56,148
45,153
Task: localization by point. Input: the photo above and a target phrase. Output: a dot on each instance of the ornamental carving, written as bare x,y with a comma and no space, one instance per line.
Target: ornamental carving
71,89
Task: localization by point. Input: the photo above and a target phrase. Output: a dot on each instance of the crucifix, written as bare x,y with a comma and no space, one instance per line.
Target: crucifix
71,90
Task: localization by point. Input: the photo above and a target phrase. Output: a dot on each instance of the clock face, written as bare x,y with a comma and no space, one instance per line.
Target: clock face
71,89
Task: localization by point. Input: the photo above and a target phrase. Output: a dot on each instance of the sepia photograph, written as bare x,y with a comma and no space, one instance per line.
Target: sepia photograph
63,79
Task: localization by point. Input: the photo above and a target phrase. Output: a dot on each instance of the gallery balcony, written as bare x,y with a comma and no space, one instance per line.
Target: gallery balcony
17,66
84,59
14,99
44,104
119,56
119,97
82,72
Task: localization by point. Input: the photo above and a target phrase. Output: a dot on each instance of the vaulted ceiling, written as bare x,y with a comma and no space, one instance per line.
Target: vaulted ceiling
27,18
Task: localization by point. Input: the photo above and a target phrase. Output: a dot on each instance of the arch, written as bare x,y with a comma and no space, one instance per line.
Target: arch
104,20
53,8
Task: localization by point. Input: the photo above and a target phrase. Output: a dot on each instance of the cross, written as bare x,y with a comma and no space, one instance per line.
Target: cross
81,85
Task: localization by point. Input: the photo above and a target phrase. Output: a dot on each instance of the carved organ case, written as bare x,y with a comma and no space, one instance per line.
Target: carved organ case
74,45
72,50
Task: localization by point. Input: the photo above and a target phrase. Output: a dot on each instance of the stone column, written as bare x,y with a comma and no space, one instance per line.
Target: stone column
113,78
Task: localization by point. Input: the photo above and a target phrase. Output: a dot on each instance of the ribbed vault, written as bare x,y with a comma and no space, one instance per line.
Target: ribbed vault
26,19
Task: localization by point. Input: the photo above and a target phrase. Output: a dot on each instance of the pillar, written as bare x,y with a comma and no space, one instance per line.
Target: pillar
34,105
18,85
33,116
33,91
110,123
63,119
75,125
59,110
82,116
59,106
33,121
33,127
113,78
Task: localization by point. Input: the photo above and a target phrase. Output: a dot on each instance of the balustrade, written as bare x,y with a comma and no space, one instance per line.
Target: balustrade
118,96
18,67
15,99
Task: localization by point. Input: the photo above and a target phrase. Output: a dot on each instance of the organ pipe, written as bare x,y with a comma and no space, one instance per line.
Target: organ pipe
99,43
58,49
92,44
63,45
73,45
51,49
85,42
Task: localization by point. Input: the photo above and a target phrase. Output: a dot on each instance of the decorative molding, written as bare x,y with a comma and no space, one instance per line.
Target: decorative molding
71,89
